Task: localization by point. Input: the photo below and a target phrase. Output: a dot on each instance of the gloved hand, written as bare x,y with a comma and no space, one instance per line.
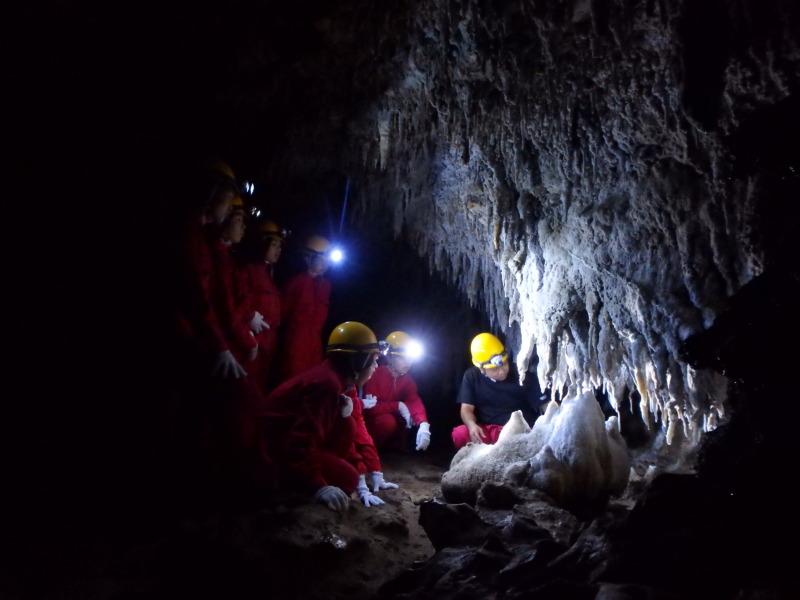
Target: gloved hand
406,414
346,404
366,497
332,497
369,401
257,323
423,436
226,366
379,484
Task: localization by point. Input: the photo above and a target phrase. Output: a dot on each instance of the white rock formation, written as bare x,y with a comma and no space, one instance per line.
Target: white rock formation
572,454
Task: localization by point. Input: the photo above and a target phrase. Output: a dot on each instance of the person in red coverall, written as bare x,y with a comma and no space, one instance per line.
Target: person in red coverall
306,426
265,297
304,310
201,426
229,292
196,322
234,400
392,404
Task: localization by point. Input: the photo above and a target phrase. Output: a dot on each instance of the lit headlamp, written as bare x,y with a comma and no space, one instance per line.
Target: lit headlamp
384,347
247,188
412,350
498,360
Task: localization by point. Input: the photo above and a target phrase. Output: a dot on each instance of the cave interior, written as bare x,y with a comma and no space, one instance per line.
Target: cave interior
610,186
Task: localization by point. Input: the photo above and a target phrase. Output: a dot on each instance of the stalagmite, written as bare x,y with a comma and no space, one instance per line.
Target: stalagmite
571,454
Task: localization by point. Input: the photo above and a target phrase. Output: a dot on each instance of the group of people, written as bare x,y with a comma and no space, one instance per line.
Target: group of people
270,404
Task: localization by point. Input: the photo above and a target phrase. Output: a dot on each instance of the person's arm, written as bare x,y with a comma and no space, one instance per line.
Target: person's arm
412,400
386,403
467,398
468,417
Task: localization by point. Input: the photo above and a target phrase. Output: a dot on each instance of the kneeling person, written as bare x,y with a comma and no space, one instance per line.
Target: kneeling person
306,425
490,392
391,401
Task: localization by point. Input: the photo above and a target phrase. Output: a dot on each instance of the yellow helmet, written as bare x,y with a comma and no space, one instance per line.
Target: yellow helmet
402,344
316,244
221,170
237,206
272,230
353,337
487,351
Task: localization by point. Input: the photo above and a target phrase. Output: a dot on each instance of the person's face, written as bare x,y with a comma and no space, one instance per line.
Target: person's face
273,250
317,264
498,373
234,229
367,372
399,364
221,205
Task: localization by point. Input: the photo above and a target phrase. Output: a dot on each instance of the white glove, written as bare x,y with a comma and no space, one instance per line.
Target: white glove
332,497
226,365
369,401
257,323
347,405
423,436
366,497
379,484
406,414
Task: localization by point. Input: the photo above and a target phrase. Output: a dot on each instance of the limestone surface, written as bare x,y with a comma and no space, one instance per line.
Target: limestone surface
571,454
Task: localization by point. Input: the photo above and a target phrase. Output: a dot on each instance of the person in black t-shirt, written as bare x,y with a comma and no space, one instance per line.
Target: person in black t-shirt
490,392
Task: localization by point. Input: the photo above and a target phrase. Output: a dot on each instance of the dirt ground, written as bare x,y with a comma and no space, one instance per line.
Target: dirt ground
291,549
376,543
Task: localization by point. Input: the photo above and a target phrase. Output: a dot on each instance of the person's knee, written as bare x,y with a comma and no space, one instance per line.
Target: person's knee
381,428
460,436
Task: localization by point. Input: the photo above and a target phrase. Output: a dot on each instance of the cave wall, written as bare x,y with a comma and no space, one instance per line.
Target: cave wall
587,173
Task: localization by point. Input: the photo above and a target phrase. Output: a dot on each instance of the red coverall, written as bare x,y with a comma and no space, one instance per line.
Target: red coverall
196,319
235,399
364,455
264,298
205,428
302,430
231,301
304,310
383,421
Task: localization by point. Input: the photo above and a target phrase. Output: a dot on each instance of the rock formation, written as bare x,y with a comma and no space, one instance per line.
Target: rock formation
571,454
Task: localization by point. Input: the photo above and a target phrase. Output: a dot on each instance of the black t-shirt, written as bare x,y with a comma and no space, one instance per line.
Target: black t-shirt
494,401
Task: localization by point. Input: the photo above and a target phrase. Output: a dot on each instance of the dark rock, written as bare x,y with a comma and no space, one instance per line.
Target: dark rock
453,525
523,528
498,495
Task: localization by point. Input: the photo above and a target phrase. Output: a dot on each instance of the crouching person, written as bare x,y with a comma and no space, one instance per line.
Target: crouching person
306,423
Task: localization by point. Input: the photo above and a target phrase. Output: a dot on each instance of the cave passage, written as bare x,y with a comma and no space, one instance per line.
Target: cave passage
609,186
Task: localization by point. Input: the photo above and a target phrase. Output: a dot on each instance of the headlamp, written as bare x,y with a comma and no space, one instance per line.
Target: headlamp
498,360
384,347
280,233
336,255
248,188
413,350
